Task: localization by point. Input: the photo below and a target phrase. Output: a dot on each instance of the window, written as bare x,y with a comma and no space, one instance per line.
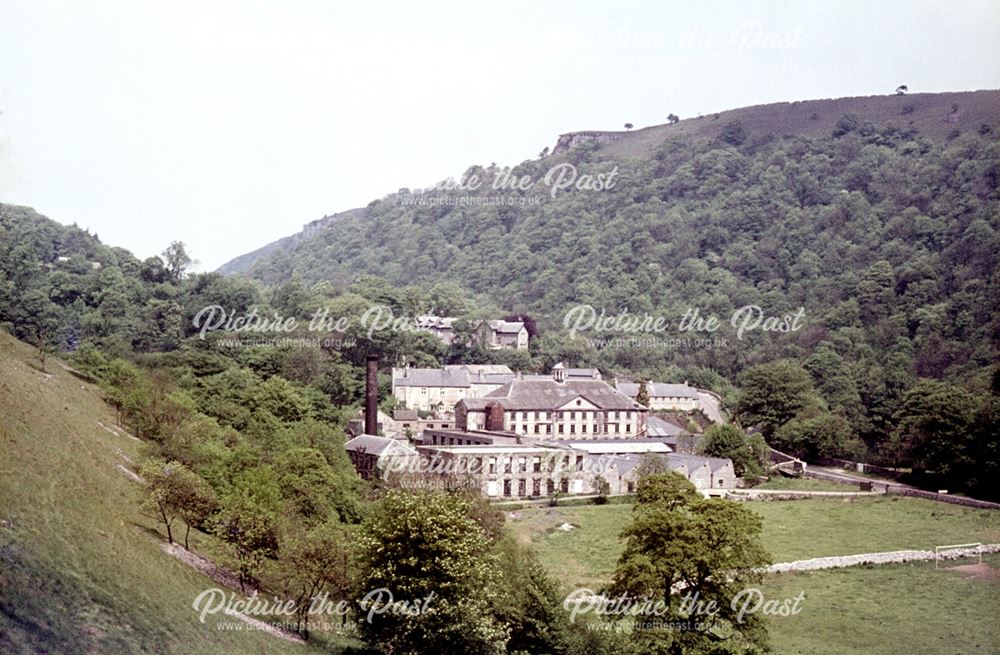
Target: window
493,464
506,466
631,487
538,428
520,487
548,429
550,486
524,465
560,428
536,488
583,428
524,429
628,427
577,402
506,487
579,462
536,464
572,428
564,485
536,416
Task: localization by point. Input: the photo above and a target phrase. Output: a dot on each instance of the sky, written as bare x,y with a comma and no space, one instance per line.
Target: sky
227,125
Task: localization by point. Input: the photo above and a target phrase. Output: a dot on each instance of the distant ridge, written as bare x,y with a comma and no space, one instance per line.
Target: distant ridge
935,116
244,263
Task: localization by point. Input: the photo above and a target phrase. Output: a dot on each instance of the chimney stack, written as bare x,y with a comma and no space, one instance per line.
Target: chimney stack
371,396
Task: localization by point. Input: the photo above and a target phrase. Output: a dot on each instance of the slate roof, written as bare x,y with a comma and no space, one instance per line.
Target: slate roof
379,446
547,394
506,327
657,427
481,369
583,373
431,377
658,390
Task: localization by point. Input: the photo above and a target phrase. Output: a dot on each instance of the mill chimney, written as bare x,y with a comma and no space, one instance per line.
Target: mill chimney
371,396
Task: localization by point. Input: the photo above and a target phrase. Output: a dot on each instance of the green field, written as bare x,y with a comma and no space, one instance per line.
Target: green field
901,609
804,484
796,529
81,569
904,609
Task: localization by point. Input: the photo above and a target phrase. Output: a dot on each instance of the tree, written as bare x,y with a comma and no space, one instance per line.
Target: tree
177,260
602,488
544,153
672,118
426,549
174,491
733,133
846,124
643,396
748,454
709,550
823,435
530,603
902,89
315,563
772,394
119,380
936,428
247,521
628,126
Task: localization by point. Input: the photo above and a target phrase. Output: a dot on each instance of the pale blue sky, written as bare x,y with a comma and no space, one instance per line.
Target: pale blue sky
229,124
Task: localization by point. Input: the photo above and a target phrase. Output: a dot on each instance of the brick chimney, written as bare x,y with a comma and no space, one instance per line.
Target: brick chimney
494,417
371,396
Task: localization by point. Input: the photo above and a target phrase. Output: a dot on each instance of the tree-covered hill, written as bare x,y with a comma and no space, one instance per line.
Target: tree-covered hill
881,224
871,244
887,237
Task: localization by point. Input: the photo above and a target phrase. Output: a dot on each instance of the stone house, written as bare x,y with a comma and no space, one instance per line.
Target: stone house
502,465
438,390
554,408
493,334
664,397
372,455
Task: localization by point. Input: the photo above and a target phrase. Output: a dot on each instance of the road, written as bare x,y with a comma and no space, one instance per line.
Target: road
711,406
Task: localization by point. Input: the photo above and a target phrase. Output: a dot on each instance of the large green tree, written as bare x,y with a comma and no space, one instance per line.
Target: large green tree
680,547
749,454
428,553
773,393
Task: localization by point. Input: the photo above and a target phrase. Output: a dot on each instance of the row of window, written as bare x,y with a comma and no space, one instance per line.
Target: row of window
522,464
536,487
558,416
612,428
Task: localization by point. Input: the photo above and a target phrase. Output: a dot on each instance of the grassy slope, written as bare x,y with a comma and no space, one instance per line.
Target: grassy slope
81,569
793,530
